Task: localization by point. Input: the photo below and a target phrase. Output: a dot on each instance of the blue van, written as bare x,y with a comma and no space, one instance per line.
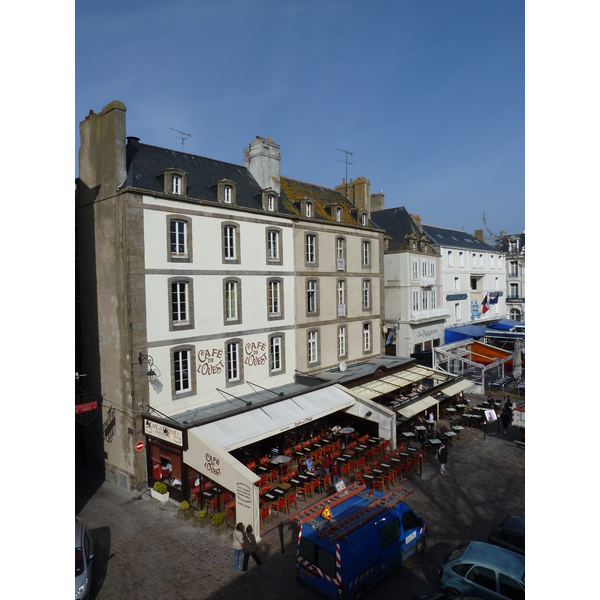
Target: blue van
348,548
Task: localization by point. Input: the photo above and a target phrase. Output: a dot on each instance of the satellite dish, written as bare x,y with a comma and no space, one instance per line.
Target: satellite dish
343,366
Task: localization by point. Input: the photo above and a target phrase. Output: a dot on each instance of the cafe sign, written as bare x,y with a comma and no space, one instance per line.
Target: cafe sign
163,432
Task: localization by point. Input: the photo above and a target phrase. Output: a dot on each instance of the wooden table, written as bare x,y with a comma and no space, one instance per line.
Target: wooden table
284,486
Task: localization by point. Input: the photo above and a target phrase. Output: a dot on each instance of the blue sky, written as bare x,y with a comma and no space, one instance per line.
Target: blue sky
429,96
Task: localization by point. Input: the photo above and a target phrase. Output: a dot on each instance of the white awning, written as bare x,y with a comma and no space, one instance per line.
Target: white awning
260,423
422,405
390,383
459,386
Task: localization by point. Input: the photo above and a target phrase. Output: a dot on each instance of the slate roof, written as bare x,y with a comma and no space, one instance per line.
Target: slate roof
397,224
455,238
146,165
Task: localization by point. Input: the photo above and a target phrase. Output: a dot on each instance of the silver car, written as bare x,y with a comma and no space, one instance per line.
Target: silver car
483,570
84,554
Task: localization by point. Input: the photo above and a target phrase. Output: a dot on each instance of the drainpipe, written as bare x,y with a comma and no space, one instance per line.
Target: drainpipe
295,295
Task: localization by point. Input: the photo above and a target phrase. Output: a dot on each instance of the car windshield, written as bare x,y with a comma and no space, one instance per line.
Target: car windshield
79,563
456,553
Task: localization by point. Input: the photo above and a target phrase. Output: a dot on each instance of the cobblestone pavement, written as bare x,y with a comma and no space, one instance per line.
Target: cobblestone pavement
143,549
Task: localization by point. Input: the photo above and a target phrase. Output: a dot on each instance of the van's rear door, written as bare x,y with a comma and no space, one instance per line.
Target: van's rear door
410,532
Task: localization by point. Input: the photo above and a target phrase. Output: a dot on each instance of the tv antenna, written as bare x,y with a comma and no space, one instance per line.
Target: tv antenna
182,136
347,163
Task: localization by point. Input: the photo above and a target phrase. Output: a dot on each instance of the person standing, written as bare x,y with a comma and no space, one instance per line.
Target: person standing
327,463
505,418
334,471
443,457
238,546
250,548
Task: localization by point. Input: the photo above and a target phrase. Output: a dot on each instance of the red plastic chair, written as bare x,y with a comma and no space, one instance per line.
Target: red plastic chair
291,497
230,511
279,504
265,511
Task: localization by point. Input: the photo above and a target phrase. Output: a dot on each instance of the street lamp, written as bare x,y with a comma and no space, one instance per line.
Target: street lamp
151,375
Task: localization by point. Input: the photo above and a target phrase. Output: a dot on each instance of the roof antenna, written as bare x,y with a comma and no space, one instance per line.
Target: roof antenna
182,137
347,163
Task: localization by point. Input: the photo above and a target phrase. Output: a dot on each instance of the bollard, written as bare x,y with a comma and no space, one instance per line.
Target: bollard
280,526
420,465
484,429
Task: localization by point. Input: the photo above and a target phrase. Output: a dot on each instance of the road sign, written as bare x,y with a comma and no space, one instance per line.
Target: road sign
139,446
85,407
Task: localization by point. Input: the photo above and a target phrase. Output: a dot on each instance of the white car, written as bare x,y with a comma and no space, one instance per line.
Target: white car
84,554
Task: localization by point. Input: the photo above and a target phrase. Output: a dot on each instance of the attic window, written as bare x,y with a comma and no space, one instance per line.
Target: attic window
308,209
363,219
271,203
174,181
338,214
226,192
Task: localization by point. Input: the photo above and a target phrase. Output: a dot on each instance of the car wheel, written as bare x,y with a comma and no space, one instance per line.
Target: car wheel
420,548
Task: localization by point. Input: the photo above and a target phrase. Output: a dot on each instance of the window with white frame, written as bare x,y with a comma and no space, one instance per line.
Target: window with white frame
415,300
311,297
308,209
341,298
274,290
179,303
231,243
176,184
414,269
313,347
425,296
340,253
311,249
424,268
461,259
496,283
233,360
492,261
273,245
181,371
341,342
271,203
366,253
432,269
481,260
456,284
457,310
432,299
232,301
227,194
178,231
275,354
514,290
338,214
366,294
366,337
450,258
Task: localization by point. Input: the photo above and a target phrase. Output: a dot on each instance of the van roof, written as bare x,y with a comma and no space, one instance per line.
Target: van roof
503,559
348,508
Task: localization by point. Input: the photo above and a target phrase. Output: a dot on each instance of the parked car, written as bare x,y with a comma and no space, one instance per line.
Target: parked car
483,570
510,534
84,555
440,596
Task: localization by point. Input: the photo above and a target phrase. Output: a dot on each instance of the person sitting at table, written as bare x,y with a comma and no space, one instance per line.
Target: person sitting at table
319,471
335,430
309,465
302,467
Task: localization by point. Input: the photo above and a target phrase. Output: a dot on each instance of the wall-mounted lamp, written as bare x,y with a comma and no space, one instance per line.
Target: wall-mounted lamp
367,415
151,375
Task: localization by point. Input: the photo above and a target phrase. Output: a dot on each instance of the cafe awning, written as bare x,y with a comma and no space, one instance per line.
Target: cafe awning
420,406
391,383
263,422
459,386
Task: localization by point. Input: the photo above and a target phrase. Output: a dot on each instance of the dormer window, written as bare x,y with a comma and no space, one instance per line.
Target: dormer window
175,182
338,214
308,209
271,203
226,192
270,200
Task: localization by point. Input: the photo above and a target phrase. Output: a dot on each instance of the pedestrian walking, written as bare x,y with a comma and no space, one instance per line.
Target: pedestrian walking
443,457
238,546
505,418
250,548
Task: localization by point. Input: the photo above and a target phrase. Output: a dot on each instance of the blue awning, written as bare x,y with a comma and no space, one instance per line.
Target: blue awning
507,324
463,332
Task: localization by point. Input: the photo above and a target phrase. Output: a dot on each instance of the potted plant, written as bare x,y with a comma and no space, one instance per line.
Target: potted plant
219,526
185,512
160,492
202,518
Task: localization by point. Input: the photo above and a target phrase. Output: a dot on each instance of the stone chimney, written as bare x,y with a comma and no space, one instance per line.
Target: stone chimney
417,221
358,192
478,235
262,159
102,153
377,201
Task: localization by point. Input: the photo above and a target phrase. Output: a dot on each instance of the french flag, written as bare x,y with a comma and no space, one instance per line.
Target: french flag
484,305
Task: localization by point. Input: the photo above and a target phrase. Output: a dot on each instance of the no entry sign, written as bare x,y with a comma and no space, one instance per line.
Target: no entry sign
139,446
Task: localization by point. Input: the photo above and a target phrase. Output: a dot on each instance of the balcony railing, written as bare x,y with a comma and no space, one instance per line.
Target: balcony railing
431,313
427,281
